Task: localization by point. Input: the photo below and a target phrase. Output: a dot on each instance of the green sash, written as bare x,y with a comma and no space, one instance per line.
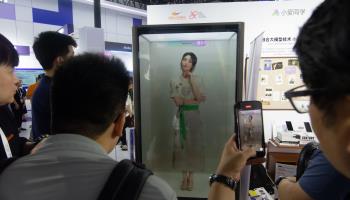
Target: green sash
183,108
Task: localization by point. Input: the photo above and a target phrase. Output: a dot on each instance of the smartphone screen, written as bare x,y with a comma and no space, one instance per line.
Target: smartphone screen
307,127
289,126
250,126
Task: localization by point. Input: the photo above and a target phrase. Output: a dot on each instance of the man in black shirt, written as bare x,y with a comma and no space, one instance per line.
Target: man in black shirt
10,142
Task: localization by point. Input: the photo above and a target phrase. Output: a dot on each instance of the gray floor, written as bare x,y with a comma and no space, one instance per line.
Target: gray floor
200,184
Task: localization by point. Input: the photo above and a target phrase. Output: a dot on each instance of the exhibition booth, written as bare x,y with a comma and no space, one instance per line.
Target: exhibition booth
243,50
270,68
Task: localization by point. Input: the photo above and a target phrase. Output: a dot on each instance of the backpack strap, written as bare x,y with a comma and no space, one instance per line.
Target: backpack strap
125,182
5,163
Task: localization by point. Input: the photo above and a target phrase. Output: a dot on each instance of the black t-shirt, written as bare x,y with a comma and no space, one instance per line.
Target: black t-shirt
9,127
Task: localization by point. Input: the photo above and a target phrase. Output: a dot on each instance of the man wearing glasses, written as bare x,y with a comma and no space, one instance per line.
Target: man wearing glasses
323,49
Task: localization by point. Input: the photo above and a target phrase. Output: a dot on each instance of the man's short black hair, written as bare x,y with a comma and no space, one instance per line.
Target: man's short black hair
8,53
49,45
323,48
89,92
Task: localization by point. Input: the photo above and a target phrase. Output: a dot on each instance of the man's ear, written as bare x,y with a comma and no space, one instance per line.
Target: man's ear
58,60
119,125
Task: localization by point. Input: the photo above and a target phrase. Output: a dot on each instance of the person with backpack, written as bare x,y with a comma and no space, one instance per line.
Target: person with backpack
87,120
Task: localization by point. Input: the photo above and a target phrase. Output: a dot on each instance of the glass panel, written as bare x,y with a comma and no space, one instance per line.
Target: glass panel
301,103
207,124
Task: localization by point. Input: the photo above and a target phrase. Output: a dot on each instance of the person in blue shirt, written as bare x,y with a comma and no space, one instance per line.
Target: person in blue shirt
323,49
319,181
51,49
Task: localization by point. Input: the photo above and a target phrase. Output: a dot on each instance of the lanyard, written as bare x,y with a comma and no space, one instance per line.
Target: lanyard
5,144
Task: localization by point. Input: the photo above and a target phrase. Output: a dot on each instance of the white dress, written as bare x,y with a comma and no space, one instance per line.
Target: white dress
189,155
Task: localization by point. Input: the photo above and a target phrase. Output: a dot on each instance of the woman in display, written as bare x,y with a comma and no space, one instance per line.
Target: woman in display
187,93
248,130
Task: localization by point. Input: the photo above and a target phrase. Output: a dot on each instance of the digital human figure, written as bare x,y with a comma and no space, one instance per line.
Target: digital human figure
186,91
248,130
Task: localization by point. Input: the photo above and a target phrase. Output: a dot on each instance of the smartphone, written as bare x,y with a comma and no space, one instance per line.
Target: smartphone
249,126
289,126
308,127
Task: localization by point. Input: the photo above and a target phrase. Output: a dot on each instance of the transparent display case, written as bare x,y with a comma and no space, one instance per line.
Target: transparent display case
187,79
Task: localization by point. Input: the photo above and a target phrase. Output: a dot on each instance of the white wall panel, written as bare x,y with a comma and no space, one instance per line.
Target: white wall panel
46,4
124,39
112,37
24,33
23,2
8,29
103,18
83,15
24,13
111,21
124,25
38,28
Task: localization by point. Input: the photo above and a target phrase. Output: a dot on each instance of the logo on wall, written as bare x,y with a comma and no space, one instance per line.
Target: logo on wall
196,15
288,12
176,16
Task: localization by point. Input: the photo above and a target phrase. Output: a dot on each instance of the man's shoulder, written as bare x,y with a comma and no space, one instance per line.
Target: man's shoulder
42,93
156,188
322,181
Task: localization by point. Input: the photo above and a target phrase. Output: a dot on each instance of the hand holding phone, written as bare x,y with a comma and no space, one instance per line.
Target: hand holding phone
249,126
232,160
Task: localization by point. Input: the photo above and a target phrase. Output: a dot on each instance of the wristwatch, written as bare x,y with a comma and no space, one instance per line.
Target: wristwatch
279,179
227,181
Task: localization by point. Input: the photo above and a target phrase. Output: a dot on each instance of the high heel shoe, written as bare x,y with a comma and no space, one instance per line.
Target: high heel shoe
190,181
184,183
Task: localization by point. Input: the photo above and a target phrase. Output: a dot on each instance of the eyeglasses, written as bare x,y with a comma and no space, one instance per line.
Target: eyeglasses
300,97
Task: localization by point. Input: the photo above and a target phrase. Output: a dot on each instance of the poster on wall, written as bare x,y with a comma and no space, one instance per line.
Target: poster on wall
276,76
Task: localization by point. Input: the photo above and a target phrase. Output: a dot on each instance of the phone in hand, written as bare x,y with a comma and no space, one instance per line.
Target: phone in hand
249,126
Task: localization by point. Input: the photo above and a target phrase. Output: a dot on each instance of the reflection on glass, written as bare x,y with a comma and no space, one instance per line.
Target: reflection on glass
250,128
186,92
187,95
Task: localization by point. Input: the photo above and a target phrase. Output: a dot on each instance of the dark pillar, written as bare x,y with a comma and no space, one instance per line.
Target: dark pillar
97,13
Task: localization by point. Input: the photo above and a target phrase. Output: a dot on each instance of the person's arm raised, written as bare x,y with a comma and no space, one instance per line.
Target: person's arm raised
231,163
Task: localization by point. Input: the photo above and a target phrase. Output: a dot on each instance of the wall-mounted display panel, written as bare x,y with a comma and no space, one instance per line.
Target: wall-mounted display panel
28,76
